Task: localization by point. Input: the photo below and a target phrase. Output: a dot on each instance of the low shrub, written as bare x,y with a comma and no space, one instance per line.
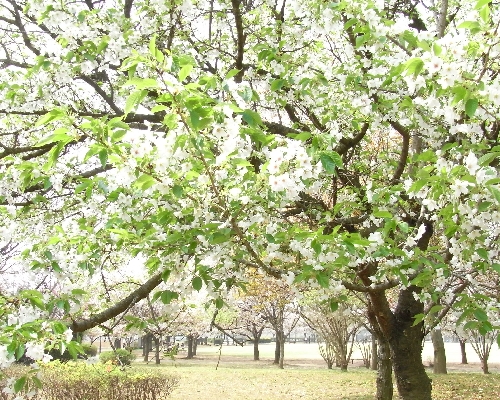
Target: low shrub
80,381
118,357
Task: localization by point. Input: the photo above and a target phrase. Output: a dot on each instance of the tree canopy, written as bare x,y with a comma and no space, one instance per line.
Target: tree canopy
339,145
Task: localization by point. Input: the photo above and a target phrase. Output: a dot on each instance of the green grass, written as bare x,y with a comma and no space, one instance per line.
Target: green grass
236,379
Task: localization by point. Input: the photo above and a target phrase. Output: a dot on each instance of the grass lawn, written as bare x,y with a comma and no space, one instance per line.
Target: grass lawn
305,377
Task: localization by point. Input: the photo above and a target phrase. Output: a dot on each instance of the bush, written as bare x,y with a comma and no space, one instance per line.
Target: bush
118,357
79,381
88,351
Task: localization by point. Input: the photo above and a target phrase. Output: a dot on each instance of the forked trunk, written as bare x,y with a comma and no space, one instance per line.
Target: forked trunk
439,352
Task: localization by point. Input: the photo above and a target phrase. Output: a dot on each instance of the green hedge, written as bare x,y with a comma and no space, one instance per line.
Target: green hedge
79,381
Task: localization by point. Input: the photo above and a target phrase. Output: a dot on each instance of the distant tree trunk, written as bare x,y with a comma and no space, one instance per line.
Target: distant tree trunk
256,353
462,350
385,390
439,352
190,354
157,349
282,350
145,347
484,366
257,333
277,350
195,346
374,359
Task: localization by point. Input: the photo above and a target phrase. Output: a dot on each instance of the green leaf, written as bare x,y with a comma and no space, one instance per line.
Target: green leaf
50,116
231,73
383,214
300,136
488,158
334,305
144,182
184,72
142,83
134,100
59,135
480,315
20,351
496,267
197,283
165,275
316,247
330,160
481,3
418,319
19,384
495,192
103,157
471,25
323,280
414,66
167,296
218,238
177,190
277,84
435,309
153,50
483,253
484,13
219,303
471,107
251,118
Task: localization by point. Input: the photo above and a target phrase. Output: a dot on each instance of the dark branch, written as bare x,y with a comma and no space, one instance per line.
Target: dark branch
133,298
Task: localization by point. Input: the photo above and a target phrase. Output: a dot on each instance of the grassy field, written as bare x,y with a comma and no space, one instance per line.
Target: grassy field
234,376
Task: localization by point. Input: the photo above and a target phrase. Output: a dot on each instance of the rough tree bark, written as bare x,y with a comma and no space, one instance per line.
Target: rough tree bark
385,389
439,352
374,359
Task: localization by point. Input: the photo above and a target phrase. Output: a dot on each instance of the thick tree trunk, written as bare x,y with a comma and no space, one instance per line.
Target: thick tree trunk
190,347
385,388
439,352
463,351
277,350
374,358
157,349
405,341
